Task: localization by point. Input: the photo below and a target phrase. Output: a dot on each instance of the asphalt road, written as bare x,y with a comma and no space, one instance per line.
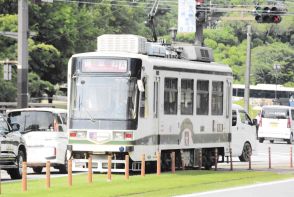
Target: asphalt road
272,189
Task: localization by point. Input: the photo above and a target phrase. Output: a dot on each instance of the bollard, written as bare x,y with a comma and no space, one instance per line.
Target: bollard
69,172
200,159
0,181
269,158
48,175
158,164
90,173
109,169
216,158
127,164
291,157
173,162
143,165
231,160
250,162
24,176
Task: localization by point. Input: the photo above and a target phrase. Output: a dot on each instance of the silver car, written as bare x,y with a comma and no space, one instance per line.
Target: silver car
13,148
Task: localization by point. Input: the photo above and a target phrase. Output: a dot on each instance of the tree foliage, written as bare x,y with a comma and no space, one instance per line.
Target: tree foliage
64,28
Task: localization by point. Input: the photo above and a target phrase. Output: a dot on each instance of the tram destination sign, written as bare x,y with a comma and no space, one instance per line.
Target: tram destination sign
104,65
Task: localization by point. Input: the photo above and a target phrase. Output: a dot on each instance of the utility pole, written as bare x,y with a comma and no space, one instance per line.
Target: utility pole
200,20
22,54
247,73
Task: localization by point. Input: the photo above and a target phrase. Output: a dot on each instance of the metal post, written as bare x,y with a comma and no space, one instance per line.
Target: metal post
158,163
127,163
231,160
269,158
247,73
22,67
24,176
48,184
215,159
173,162
90,173
143,165
199,34
291,157
200,159
109,169
250,162
69,171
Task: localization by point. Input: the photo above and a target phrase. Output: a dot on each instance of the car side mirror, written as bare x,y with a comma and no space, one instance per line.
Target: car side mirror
15,127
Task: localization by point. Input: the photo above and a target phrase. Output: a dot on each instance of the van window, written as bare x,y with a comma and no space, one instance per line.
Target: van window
32,120
63,117
245,119
275,113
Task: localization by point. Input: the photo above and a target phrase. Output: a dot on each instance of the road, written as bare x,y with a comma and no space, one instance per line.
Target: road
280,161
280,156
273,189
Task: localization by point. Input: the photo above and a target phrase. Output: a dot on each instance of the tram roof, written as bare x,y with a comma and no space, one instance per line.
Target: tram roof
164,62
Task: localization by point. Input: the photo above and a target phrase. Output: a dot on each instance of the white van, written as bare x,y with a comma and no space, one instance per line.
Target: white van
44,131
243,141
276,124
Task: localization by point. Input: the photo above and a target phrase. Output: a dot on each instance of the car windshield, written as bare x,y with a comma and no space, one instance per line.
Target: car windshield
3,125
104,98
275,113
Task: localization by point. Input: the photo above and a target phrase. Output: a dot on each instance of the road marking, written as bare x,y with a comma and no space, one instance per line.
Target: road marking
236,188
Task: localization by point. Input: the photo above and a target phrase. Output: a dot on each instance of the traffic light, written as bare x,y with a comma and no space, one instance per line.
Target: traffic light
200,14
268,14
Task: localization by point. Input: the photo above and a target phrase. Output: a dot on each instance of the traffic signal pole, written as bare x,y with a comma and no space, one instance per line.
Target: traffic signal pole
200,20
247,73
22,54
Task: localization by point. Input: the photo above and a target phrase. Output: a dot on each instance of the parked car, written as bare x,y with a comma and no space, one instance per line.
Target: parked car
276,124
13,148
44,130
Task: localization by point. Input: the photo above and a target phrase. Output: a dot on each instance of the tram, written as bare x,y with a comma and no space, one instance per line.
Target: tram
134,97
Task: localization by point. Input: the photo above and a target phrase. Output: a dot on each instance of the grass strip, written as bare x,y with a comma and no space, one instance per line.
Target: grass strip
167,184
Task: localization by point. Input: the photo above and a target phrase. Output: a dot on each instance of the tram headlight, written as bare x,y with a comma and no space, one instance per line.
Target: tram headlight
78,134
82,134
118,136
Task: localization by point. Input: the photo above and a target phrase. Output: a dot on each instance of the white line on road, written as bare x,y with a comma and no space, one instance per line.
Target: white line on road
237,188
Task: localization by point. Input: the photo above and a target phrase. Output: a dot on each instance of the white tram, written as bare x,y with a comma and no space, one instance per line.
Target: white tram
135,97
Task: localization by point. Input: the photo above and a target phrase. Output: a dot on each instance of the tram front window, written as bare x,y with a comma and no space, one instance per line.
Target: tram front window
104,98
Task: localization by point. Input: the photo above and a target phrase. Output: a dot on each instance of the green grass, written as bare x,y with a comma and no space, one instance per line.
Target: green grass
167,184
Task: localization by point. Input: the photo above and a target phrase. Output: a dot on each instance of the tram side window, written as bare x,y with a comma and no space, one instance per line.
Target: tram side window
187,95
143,101
202,97
170,95
217,98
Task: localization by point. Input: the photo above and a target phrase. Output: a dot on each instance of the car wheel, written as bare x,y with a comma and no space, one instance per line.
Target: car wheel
271,141
246,153
38,170
63,168
260,140
17,172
